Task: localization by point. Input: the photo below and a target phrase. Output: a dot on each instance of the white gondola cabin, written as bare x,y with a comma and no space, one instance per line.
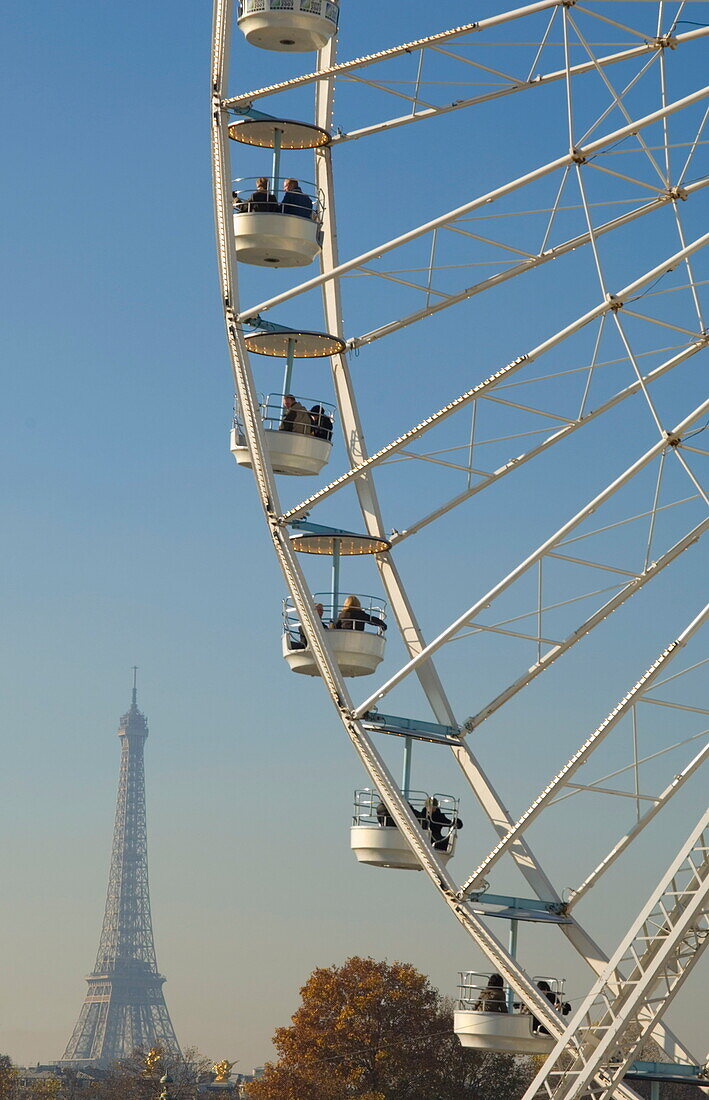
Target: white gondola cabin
277,219
351,628
488,1018
356,650
375,839
288,26
297,430
296,453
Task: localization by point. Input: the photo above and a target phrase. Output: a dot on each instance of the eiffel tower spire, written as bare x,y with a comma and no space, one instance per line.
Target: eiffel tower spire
125,1009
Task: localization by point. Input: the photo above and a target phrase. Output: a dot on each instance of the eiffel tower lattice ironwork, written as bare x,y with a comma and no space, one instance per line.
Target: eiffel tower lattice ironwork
125,1008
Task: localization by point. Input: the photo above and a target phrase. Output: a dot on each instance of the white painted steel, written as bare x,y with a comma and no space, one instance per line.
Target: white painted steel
647,970
308,25
509,1033
288,452
384,846
554,540
582,152
276,240
580,756
320,655
355,652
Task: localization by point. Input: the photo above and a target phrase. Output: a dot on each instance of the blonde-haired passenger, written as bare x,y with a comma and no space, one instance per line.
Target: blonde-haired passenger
353,617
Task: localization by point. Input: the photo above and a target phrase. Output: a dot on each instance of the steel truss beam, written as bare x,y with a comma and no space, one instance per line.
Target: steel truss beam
538,81
362,465
582,754
328,69
641,979
654,452
589,624
245,100
574,156
524,266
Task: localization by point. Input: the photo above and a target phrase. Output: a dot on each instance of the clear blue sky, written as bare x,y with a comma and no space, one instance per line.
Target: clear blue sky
131,538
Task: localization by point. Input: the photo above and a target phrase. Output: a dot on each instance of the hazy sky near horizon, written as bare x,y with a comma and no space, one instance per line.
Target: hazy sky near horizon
132,538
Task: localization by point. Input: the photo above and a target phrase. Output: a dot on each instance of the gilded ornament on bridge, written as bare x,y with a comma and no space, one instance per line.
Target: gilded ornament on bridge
153,1059
223,1070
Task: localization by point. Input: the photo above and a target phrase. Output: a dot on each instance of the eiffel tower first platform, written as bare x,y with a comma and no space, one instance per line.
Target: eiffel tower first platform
125,1008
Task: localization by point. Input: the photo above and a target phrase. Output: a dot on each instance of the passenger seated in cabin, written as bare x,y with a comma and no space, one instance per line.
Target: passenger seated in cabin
260,202
492,999
352,617
435,820
563,1007
322,423
384,817
296,201
301,642
296,417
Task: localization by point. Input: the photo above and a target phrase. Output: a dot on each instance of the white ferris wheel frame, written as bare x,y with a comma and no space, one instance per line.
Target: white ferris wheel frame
361,466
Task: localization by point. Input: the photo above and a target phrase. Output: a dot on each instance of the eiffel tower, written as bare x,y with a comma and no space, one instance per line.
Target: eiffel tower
125,1008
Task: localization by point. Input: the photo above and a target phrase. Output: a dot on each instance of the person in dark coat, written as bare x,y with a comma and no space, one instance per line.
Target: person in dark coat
262,201
384,817
555,1001
322,423
492,998
296,201
436,821
352,617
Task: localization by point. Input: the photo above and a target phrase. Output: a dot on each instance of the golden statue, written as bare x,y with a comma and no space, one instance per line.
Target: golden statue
223,1070
153,1060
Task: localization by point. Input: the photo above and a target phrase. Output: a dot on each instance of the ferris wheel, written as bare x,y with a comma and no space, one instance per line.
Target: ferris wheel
530,493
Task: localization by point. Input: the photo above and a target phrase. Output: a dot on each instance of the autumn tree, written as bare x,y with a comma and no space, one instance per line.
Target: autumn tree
132,1079
8,1078
368,1030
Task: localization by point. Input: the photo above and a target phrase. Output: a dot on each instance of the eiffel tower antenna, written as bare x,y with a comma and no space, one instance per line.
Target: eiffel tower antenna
125,1008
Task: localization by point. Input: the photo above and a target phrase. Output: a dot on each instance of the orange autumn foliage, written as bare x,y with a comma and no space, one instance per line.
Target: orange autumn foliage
371,1030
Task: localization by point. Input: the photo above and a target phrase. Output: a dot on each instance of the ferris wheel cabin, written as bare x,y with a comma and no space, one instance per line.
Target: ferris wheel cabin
376,841
488,1018
277,219
351,629
297,430
288,26
356,650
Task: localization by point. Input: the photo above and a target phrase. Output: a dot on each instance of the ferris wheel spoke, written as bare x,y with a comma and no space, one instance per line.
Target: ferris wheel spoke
580,757
501,586
637,761
483,200
677,782
589,624
543,257
529,80
330,69
489,479
403,441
